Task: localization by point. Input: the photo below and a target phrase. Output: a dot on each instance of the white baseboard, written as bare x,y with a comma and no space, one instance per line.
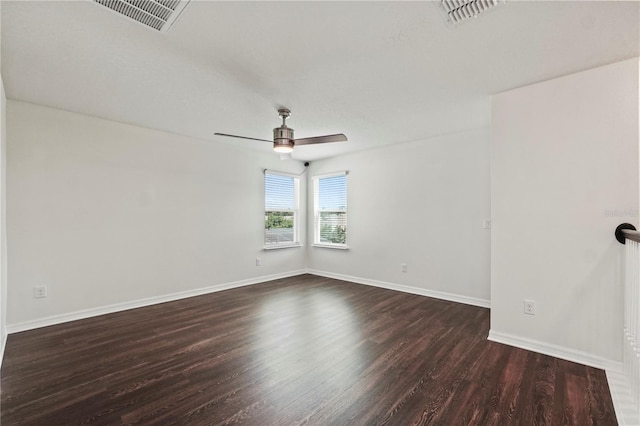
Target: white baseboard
553,350
406,289
88,313
618,385
3,344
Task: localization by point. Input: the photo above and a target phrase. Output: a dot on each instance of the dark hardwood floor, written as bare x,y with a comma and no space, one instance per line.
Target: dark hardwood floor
302,350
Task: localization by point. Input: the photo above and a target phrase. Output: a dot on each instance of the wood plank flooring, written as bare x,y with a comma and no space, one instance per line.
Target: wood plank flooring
301,350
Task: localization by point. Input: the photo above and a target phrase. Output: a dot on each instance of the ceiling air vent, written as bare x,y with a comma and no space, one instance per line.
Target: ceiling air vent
157,14
457,11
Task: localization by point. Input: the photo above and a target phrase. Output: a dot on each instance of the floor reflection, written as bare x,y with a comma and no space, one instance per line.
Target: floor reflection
298,332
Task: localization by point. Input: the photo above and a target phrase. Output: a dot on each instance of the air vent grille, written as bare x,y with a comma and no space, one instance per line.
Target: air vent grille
156,14
460,10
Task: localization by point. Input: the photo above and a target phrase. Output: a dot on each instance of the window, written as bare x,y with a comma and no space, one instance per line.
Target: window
330,210
281,203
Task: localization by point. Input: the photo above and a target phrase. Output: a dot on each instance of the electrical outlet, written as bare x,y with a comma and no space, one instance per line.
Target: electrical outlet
529,307
40,291
403,267
258,261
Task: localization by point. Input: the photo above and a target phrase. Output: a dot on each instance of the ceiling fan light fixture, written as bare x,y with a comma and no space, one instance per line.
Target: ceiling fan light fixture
283,135
283,147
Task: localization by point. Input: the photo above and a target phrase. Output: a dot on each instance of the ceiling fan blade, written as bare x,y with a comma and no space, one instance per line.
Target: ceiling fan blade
321,139
241,137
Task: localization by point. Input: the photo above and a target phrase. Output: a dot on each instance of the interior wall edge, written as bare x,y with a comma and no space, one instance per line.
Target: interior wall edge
451,297
118,307
550,349
140,303
621,391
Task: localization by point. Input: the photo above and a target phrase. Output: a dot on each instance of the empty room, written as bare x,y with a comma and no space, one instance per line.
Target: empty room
319,212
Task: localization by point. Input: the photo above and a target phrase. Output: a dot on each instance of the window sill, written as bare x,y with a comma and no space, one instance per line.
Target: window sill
331,246
282,246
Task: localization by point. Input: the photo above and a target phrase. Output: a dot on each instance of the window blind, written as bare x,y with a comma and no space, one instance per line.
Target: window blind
281,194
330,210
332,193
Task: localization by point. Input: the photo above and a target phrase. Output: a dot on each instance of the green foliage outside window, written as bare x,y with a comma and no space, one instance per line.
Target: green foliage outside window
276,220
335,234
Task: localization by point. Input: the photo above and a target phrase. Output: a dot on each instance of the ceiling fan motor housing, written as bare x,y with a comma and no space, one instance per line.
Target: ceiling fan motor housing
283,137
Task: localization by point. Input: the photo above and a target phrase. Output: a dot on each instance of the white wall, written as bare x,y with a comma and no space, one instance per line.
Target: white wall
105,213
421,203
564,174
3,221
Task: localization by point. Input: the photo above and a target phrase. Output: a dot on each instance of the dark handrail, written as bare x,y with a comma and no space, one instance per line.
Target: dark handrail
626,231
632,235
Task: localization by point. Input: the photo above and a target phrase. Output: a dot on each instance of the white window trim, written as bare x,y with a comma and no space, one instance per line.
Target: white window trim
332,174
316,229
282,246
275,172
331,246
296,212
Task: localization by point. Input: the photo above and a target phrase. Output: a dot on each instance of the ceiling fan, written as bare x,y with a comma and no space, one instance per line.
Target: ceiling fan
283,141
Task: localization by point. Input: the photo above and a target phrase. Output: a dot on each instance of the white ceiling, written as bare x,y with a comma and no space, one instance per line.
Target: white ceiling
380,72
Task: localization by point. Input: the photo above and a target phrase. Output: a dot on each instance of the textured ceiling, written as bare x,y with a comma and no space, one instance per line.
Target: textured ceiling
380,72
